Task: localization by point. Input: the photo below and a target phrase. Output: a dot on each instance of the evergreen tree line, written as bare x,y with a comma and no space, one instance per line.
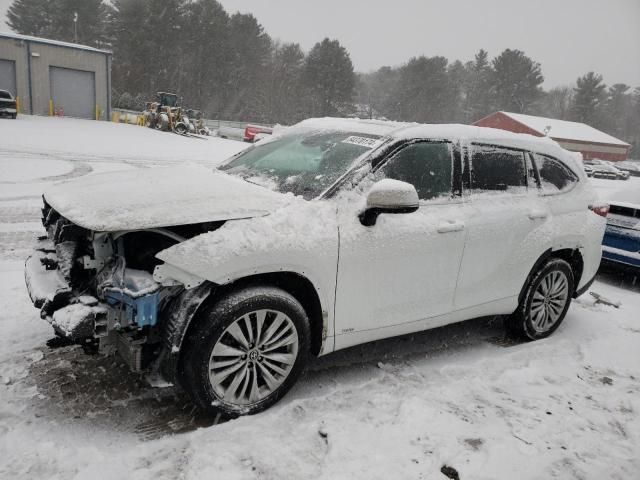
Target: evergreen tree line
229,67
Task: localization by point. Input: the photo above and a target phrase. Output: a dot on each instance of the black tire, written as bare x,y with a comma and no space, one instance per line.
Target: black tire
181,129
14,115
520,323
162,122
212,322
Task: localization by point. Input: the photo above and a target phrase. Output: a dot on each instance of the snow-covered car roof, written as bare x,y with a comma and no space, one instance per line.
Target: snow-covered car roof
404,130
356,125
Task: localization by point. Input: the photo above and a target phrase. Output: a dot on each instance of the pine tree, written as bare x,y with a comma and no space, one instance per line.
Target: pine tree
284,92
516,81
31,17
54,19
250,49
477,99
424,91
618,110
588,98
89,27
329,78
131,49
457,75
205,56
381,91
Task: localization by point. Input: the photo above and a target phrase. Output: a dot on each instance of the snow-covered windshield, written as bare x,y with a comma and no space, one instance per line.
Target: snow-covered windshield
304,163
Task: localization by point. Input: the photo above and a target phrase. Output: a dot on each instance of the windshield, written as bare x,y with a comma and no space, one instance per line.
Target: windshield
304,163
4,94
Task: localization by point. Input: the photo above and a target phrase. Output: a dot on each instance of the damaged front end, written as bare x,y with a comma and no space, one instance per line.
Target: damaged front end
82,284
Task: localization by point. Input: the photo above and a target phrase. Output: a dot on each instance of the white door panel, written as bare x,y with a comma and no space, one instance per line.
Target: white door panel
401,270
505,238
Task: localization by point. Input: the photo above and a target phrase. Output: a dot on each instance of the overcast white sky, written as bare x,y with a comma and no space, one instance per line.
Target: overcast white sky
568,37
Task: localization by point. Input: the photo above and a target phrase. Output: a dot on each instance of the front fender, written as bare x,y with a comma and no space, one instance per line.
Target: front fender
176,319
301,238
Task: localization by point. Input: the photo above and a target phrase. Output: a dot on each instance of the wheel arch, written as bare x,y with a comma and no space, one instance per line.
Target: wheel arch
179,314
571,255
298,286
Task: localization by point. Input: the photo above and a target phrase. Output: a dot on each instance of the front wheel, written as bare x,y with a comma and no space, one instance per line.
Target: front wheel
162,122
181,129
545,302
246,351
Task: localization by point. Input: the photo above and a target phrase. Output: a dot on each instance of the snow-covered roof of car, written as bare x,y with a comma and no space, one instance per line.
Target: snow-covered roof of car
565,130
447,131
484,135
47,41
356,125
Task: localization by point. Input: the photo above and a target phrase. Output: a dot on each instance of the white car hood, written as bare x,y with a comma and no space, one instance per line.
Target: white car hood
160,197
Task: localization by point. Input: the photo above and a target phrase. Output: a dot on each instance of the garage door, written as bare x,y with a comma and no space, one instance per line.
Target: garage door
74,91
8,76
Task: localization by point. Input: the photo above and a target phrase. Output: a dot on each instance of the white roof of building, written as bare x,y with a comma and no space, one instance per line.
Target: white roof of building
29,38
563,129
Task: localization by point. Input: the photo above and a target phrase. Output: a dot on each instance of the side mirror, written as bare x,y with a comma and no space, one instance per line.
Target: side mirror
389,196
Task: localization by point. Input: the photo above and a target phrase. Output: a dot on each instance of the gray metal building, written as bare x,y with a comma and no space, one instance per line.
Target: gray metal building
56,78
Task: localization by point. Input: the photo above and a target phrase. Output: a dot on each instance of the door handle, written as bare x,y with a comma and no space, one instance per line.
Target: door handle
537,214
450,227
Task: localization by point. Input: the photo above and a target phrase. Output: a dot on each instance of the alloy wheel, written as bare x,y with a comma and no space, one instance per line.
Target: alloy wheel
253,357
549,301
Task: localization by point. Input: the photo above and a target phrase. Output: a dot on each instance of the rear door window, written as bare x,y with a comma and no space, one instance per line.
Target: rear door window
428,166
555,177
497,169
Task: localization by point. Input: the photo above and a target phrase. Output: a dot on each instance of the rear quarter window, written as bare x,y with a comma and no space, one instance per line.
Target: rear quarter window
555,177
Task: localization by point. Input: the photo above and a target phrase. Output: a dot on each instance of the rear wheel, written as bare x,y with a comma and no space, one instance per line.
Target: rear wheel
545,301
14,115
246,351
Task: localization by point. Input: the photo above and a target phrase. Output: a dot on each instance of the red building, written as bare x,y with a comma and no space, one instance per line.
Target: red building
572,136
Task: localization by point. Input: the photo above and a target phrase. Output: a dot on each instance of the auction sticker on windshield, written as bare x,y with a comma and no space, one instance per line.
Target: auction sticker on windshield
362,141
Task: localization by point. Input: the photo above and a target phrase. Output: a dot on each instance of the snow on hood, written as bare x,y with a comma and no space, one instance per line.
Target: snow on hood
161,197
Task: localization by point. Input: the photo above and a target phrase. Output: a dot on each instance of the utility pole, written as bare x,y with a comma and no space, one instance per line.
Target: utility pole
75,27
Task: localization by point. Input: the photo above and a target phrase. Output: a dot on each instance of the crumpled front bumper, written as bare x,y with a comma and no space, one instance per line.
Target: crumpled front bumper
76,317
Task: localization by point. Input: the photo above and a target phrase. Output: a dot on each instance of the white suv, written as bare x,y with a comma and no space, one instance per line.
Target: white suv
331,234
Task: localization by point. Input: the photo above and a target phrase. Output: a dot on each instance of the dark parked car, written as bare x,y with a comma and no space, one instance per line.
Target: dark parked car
602,169
621,243
8,105
632,168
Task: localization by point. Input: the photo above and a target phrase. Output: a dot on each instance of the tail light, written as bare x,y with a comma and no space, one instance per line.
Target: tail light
601,210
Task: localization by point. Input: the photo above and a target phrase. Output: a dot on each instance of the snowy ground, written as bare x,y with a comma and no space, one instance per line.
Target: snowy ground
565,407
